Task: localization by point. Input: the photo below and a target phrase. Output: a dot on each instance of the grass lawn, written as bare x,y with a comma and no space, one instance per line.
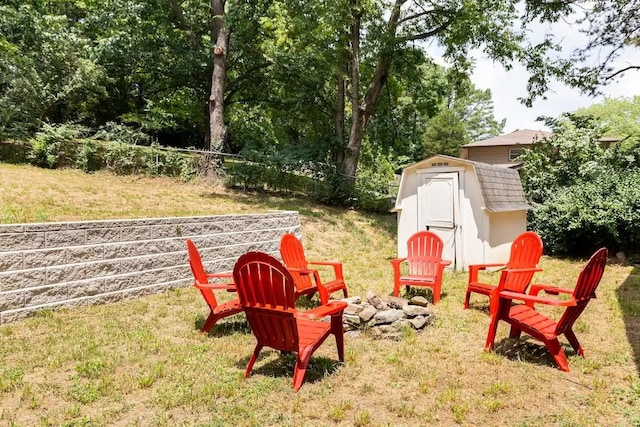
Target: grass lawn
144,363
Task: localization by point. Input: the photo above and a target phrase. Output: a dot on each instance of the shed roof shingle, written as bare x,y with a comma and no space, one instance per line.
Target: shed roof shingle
501,188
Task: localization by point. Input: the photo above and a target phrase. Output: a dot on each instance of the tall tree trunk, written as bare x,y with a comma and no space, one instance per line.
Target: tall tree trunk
347,168
339,118
362,110
210,164
220,38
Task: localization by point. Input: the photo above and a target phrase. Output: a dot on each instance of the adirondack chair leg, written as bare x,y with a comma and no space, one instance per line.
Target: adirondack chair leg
514,332
300,370
553,345
208,324
466,300
436,295
491,336
253,359
338,331
573,340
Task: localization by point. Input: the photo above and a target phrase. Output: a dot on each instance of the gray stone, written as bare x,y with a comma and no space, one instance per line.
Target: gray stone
85,288
367,313
353,309
396,302
11,300
419,322
21,241
45,295
57,239
375,301
621,256
419,300
11,261
143,256
352,300
387,316
351,319
12,280
401,324
415,310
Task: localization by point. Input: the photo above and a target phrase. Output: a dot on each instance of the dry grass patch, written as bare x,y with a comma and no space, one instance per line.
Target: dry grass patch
144,363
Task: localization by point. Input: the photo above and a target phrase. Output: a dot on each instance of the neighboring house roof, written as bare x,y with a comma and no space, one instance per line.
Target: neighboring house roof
500,187
522,137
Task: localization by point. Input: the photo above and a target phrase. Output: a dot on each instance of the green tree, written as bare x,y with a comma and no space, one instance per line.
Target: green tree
47,72
584,194
611,26
619,116
465,116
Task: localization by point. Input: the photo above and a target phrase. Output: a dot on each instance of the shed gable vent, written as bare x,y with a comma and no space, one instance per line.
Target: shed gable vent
439,164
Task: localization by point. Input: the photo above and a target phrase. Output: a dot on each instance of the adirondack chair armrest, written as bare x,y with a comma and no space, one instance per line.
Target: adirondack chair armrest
228,275
550,289
475,268
531,299
523,270
230,287
337,266
301,270
445,262
330,309
396,264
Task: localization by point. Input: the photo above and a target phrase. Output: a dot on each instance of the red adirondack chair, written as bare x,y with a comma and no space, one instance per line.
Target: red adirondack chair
424,257
526,251
524,317
201,281
267,294
307,280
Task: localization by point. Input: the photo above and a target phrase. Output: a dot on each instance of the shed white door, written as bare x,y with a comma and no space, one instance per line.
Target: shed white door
438,210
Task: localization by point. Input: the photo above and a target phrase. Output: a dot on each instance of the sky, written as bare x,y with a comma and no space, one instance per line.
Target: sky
507,86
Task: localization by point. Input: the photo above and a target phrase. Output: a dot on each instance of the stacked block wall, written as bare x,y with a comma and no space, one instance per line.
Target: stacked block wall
67,264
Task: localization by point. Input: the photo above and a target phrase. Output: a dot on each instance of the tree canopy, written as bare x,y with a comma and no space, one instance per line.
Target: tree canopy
344,87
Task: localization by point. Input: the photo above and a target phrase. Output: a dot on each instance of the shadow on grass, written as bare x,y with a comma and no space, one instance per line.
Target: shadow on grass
225,327
628,294
415,291
284,364
523,350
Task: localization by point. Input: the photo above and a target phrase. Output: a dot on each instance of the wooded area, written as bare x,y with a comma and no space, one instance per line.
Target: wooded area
345,89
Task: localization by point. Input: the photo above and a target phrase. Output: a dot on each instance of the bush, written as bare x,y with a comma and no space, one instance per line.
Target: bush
116,132
584,195
582,217
56,145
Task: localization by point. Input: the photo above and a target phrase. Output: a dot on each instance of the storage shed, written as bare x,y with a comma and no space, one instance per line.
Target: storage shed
476,208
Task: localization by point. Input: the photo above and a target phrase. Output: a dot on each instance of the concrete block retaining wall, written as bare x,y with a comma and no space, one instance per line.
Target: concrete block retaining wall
68,264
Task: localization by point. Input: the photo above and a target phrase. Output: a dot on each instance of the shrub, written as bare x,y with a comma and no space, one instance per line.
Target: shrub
580,218
56,145
116,132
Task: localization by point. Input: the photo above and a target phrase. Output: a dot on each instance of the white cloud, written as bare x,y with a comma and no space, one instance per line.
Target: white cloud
507,86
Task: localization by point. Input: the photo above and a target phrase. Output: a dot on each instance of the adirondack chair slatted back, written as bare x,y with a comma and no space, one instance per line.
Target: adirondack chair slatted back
199,274
526,251
585,289
293,256
424,253
267,295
